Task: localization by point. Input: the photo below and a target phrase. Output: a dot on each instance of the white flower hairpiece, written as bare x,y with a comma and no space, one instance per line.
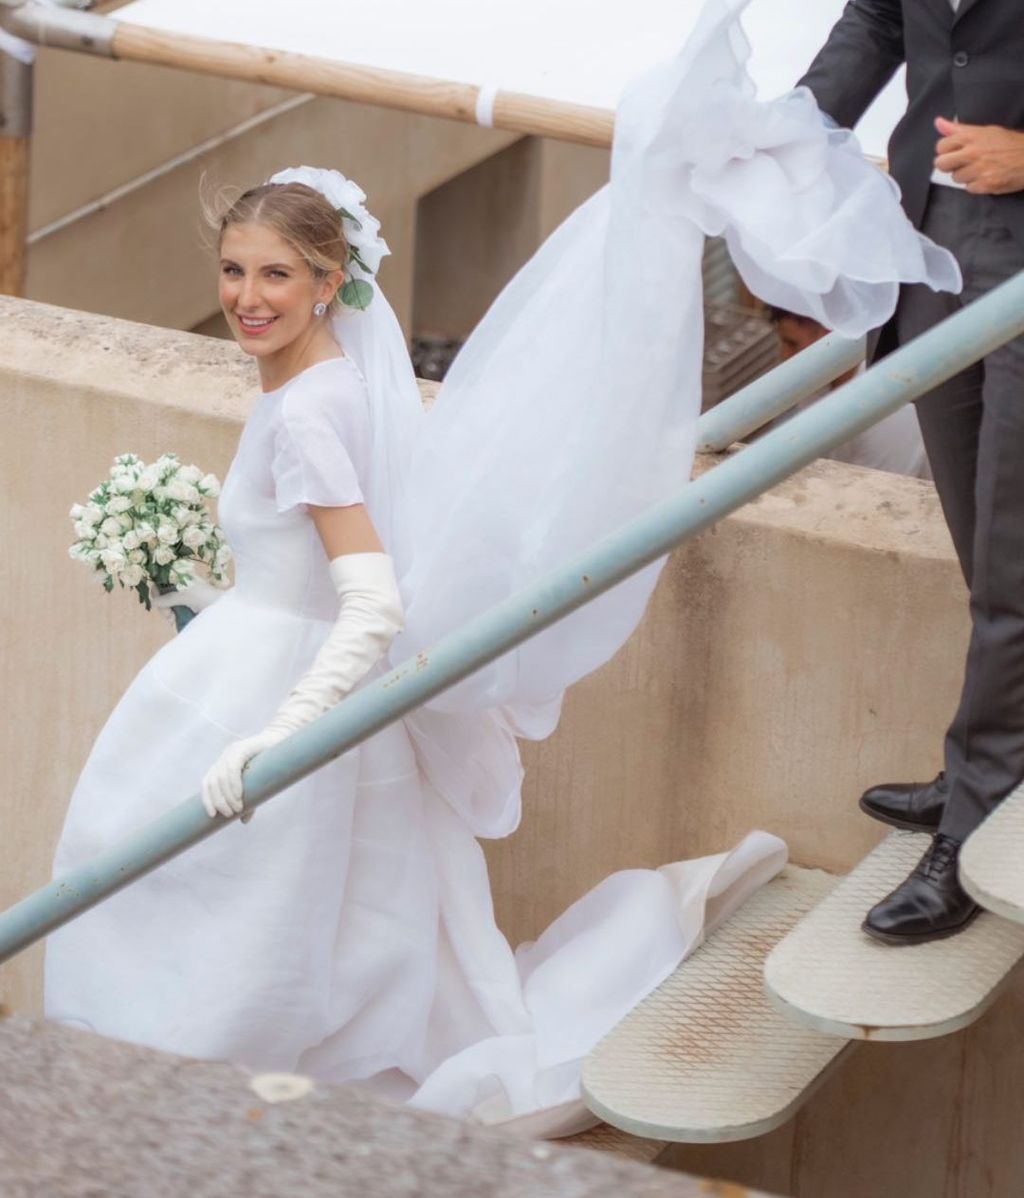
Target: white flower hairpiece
366,247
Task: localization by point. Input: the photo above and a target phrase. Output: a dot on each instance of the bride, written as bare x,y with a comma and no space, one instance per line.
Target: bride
347,930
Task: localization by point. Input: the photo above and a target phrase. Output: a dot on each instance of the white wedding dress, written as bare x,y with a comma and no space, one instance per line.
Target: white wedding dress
347,932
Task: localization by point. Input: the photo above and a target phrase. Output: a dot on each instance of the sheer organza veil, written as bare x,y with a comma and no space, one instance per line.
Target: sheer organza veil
572,406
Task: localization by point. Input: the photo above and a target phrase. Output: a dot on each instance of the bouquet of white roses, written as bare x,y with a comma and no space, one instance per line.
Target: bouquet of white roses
147,527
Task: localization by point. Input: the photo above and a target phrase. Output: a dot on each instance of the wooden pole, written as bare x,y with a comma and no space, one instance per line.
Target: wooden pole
15,130
369,85
13,213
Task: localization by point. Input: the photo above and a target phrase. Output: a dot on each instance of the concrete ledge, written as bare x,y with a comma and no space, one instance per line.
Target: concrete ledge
80,1115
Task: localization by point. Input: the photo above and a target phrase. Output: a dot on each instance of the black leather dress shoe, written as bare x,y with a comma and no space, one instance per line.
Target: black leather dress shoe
929,905
917,806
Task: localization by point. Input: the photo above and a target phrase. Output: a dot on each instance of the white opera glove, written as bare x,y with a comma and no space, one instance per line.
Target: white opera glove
198,595
369,618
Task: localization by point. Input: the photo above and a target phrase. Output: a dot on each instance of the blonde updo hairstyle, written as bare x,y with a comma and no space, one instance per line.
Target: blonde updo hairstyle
297,213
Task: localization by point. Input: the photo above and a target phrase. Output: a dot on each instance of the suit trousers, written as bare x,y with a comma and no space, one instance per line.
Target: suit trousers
973,428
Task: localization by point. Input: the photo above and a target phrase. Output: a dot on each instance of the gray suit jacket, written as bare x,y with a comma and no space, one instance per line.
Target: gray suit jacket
968,64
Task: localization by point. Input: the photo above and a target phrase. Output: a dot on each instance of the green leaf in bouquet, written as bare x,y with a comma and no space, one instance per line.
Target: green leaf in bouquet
143,589
346,215
357,293
108,584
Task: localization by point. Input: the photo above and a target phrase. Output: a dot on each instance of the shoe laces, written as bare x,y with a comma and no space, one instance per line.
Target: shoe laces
940,857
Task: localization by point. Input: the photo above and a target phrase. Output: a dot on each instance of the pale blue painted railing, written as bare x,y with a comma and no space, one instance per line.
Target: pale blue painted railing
909,372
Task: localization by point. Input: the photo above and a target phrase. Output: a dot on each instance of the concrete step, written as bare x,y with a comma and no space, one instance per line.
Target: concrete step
705,1058
992,860
828,975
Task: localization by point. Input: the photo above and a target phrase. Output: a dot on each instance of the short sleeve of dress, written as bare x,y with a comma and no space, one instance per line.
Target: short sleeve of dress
322,439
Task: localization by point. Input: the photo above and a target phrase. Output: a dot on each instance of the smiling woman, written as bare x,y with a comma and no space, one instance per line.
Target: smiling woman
282,259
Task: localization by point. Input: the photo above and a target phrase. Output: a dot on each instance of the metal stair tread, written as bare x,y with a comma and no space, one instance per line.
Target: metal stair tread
828,975
992,858
705,1058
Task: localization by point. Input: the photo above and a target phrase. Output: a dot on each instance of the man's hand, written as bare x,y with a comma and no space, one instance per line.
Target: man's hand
987,158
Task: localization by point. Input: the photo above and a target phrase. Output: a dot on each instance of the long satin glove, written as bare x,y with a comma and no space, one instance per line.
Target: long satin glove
369,618
198,595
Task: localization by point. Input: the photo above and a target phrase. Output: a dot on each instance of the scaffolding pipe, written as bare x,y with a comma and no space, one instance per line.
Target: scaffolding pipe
909,372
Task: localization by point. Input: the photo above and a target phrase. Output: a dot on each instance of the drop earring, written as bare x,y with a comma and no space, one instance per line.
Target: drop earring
319,309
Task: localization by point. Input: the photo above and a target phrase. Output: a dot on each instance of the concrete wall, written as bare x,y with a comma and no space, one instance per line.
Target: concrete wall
806,647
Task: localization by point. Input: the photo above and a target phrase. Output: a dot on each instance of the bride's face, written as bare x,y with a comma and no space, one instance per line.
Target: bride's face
266,289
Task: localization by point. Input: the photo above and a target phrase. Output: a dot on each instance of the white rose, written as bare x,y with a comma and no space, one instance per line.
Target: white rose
113,559
132,575
183,492
93,513
223,555
168,533
136,557
164,556
111,527
190,474
149,478
123,484
101,541
186,515
194,537
166,462
131,540
77,511
84,530
209,485
119,504
145,532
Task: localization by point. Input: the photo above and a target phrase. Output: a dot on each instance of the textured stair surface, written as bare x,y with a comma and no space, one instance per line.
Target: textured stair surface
992,861
605,1138
705,1058
828,974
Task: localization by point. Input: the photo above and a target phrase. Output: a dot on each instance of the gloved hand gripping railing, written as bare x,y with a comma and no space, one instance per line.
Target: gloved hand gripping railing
910,371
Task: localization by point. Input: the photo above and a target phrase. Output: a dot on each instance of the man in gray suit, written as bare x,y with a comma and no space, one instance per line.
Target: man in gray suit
958,156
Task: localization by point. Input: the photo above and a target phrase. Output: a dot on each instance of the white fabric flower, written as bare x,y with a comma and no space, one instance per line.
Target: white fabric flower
362,230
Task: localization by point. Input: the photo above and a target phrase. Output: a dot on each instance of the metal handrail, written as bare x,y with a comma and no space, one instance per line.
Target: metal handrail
912,370
804,375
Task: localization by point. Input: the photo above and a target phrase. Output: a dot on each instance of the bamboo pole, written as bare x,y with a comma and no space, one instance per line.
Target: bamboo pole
13,213
15,132
369,85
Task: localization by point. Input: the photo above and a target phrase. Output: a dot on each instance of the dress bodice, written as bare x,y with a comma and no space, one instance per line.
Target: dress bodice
304,443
